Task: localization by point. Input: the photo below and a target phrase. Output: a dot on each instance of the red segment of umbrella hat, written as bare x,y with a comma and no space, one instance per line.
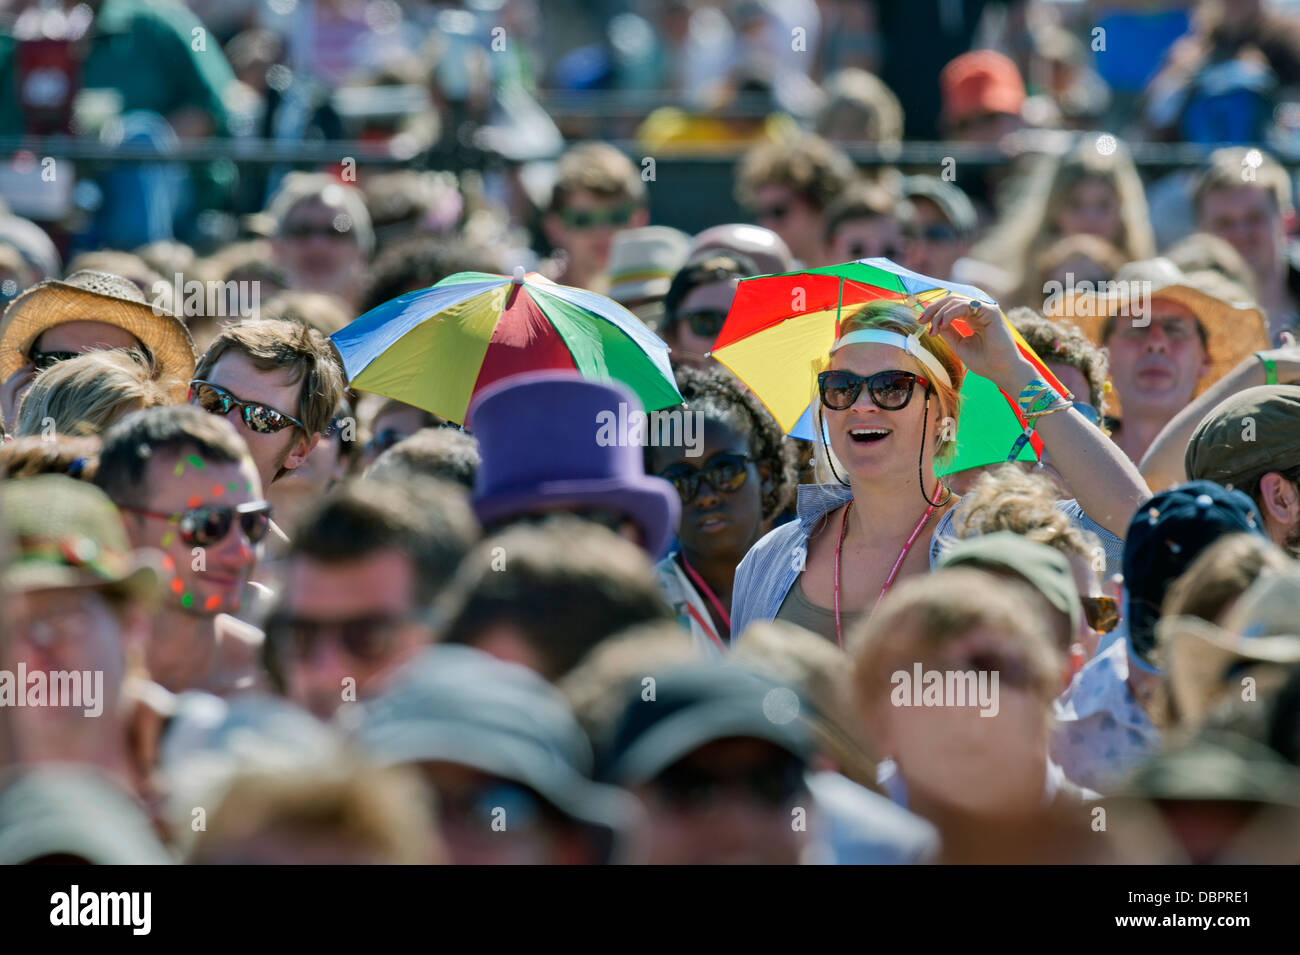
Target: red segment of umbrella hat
772,299
524,340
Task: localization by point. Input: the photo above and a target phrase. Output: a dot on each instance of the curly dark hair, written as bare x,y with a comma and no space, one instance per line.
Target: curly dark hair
718,395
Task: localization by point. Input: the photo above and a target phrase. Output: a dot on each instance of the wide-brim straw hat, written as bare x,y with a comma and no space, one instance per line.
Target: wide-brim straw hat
1235,327
90,296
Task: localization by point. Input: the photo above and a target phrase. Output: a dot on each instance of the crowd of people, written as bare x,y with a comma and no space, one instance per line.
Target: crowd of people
253,613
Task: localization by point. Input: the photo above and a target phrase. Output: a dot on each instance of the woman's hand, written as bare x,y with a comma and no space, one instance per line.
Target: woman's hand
978,335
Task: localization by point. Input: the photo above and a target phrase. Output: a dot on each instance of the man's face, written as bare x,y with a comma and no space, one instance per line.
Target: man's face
700,318
586,226
68,629
933,245
793,218
71,338
729,802
388,428
204,578
317,245
487,820
1246,217
346,620
1155,367
869,238
237,374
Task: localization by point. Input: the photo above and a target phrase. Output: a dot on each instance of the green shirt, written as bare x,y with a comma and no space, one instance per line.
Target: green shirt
145,49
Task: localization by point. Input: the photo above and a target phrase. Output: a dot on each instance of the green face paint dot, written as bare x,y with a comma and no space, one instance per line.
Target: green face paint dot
196,461
232,486
248,487
168,538
187,601
179,469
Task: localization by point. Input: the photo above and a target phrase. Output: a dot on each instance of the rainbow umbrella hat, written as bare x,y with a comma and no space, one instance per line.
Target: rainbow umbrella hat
438,347
781,327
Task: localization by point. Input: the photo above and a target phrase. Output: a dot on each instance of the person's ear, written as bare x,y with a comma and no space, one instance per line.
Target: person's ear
1279,499
300,452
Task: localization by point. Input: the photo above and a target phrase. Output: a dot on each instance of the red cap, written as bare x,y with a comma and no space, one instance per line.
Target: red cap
981,81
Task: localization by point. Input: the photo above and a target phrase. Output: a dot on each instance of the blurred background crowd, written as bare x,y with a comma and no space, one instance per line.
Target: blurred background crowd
195,197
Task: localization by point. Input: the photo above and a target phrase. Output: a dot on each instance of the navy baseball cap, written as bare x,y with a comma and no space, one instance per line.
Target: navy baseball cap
1165,536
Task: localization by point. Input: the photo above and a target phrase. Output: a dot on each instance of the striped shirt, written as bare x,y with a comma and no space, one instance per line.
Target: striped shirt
773,564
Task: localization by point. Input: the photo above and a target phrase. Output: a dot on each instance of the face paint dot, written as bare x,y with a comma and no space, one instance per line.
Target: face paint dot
167,542
177,586
179,469
248,487
195,501
167,562
195,461
232,487
187,601
212,602
218,490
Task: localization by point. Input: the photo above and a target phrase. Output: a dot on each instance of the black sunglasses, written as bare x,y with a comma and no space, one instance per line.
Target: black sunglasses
890,390
592,218
208,524
773,785
260,418
307,230
1102,613
364,638
706,323
724,472
44,359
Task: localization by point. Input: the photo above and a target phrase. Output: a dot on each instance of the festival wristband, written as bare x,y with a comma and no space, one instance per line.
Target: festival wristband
1270,368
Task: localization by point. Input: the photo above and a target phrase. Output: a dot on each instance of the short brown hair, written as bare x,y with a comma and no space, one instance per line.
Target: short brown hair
272,345
597,168
1224,170
86,394
861,200
444,453
810,167
27,457
131,444
321,311
565,583
1059,341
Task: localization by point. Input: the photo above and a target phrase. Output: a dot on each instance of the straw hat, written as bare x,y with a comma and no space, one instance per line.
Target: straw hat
89,296
1235,327
1204,660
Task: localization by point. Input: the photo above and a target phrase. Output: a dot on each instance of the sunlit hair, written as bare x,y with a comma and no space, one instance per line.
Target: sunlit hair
895,317
1223,572
1031,224
85,395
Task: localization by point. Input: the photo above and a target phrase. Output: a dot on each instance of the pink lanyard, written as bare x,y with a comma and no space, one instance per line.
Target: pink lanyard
710,596
902,556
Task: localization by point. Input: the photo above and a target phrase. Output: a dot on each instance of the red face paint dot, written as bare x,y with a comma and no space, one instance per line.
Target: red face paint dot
218,490
212,602
168,563
177,586
195,501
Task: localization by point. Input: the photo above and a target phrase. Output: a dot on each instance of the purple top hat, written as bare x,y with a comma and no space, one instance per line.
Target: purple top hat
543,447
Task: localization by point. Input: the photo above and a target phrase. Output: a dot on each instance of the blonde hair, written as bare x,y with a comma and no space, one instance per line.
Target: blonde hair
84,395
898,318
1012,499
1220,574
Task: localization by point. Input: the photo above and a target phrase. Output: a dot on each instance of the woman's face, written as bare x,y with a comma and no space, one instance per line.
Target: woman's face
1091,208
704,307
871,442
716,519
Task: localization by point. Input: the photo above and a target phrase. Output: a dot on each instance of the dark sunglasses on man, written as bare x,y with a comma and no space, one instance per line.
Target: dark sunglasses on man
260,418
616,216
209,524
774,784
367,638
890,390
724,472
324,230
